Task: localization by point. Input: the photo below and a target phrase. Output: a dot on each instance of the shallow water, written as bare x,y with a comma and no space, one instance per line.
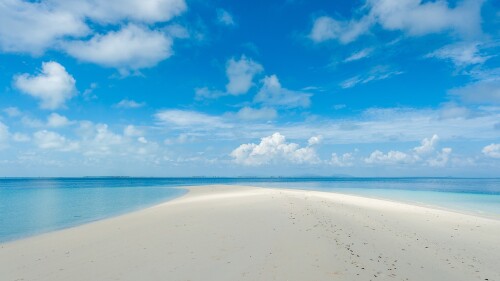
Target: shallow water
33,206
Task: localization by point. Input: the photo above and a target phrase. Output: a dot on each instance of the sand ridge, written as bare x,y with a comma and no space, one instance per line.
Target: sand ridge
249,233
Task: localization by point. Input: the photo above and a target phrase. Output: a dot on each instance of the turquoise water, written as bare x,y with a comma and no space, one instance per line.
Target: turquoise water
33,206
473,196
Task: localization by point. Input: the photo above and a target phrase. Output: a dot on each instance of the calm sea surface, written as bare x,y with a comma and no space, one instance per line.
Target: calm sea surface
33,206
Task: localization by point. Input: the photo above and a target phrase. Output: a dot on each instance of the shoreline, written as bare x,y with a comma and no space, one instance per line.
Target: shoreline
478,214
97,219
239,223
187,190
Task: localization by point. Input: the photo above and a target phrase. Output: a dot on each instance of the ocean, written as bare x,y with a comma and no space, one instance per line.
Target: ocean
31,206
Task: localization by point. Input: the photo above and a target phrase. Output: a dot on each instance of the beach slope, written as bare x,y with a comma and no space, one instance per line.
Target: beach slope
248,233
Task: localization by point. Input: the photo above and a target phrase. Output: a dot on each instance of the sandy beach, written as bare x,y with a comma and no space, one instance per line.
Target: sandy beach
249,233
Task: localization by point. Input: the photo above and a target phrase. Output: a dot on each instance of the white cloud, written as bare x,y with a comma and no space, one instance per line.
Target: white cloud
344,160
55,120
206,93
88,94
225,18
273,94
425,153
126,103
177,31
314,140
441,159
131,48
182,138
19,137
4,134
248,113
339,106
148,11
417,17
414,17
132,131
380,72
273,149
451,110
492,150
374,125
187,118
31,27
427,145
480,92
53,86
359,55
31,122
51,140
326,28
460,54
12,111
240,74
392,157
98,140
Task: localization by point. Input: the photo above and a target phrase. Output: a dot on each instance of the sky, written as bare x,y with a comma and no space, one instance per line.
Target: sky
384,88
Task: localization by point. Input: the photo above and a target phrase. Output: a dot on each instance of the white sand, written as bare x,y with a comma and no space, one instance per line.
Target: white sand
245,233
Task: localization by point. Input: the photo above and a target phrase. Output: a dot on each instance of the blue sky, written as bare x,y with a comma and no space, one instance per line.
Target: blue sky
250,88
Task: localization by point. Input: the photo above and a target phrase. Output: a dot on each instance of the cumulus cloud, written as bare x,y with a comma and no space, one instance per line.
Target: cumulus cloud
248,113
53,86
441,159
20,137
106,12
273,149
187,118
225,18
34,26
131,48
273,94
492,150
314,140
132,131
425,153
427,145
392,157
240,74
51,140
417,17
126,103
31,122
31,27
99,141
55,120
414,17
460,54
344,160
